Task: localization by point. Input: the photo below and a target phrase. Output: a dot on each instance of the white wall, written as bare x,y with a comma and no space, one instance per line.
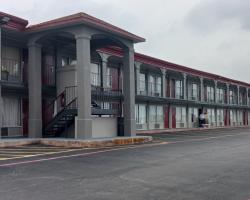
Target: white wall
65,77
103,127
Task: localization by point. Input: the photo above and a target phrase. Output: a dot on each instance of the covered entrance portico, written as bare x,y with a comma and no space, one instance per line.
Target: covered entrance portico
88,35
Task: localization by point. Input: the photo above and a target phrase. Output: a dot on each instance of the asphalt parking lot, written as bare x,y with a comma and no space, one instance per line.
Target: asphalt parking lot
200,165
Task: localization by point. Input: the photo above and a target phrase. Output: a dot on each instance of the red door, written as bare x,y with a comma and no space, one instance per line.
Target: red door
25,110
166,118
173,117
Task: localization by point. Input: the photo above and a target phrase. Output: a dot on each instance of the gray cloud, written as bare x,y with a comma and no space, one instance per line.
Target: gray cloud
213,14
209,35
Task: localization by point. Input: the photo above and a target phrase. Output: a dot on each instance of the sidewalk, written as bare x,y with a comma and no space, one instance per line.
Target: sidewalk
63,142
145,132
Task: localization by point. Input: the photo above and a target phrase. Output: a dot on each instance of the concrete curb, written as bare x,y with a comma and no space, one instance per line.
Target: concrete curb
71,143
151,132
17,142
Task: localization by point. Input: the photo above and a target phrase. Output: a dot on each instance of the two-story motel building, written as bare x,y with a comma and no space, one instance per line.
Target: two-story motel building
79,77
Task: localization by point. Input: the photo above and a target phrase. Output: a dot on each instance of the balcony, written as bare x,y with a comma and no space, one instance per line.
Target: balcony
11,70
154,90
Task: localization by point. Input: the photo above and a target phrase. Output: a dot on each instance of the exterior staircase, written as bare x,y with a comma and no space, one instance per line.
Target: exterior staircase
61,112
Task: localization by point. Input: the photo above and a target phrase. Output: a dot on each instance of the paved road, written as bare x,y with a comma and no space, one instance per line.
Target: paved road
211,165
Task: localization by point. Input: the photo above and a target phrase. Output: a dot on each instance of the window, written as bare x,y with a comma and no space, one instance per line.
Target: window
220,94
181,117
142,88
140,114
211,117
233,117
193,117
232,97
156,117
155,85
178,89
11,112
109,78
95,74
11,69
210,94
220,117
68,60
194,91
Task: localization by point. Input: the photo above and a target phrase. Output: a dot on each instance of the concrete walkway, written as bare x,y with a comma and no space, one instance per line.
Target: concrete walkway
93,143
142,132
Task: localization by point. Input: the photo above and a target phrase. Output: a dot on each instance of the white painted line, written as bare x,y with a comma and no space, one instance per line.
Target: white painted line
115,149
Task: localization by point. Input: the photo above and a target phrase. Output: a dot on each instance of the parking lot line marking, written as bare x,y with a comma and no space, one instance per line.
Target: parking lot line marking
109,150
15,156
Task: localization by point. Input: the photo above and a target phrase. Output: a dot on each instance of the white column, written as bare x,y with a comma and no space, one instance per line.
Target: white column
188,116
104,70
215,91
35,91
228,93
238,94
247,97
83,121
137,76
201,89
129,92
1,105
184,86
163,82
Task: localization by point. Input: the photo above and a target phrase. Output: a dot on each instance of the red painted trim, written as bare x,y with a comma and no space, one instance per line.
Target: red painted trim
115,51
173,117
15,23
166,116
86,19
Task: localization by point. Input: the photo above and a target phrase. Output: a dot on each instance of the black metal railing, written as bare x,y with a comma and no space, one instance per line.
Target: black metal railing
101,98
10,70
95,79
66,100
154,89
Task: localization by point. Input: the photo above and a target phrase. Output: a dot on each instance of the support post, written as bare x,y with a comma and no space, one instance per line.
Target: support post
238,94
228,93
1,105
137,68
163,82
215,91
201,89
104,70
170,117
129,92
184,86
247,93
35,90
83,121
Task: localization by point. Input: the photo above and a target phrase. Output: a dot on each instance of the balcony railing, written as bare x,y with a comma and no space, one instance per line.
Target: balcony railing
154,89
95,79
11,70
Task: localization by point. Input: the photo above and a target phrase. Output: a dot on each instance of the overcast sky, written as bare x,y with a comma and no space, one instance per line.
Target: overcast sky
209,35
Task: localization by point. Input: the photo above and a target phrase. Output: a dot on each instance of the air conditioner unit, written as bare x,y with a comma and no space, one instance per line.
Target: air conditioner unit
11,131
142,92
193,98
139,126
182,125
157,94
221,124
157,125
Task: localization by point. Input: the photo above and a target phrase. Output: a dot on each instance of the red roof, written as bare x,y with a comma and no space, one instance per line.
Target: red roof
85,19
172,66
15,22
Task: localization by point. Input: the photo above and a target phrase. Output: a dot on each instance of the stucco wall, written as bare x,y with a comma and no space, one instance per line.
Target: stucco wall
65,77
104,127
